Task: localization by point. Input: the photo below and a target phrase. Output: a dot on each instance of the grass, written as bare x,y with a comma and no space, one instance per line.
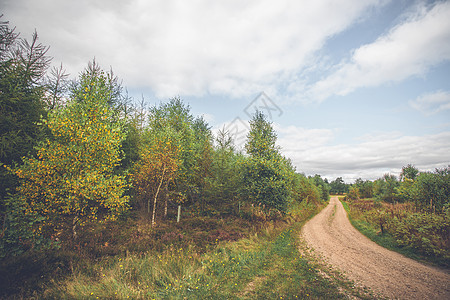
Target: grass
266,265
385,240
263,263
36,273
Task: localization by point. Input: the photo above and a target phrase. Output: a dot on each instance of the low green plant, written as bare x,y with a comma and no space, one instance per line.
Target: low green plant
418,235
265,265
427,233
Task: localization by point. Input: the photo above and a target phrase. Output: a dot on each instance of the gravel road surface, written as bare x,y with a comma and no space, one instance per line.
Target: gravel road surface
387,273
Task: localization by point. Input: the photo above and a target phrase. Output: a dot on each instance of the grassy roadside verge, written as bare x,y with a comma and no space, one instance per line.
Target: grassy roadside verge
266,265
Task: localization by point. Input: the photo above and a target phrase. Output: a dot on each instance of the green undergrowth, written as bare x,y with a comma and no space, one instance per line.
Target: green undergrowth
265,265
387,241
261,264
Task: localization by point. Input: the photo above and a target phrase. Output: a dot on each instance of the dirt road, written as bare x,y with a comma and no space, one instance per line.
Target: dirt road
387,273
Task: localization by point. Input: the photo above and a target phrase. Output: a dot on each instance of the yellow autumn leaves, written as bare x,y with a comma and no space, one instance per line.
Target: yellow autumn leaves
73,173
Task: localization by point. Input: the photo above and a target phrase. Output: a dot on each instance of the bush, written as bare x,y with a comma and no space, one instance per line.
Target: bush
380,218
428,233
353,193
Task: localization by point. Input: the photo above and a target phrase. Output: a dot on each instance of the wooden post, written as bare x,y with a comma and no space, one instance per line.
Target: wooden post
179,214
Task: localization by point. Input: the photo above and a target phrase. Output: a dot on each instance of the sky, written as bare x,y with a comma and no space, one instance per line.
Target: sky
354,89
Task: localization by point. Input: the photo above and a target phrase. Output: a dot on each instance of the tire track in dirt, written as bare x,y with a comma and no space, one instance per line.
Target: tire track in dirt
387,273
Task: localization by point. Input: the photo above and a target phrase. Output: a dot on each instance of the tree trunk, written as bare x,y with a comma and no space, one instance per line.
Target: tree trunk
156,196
74,227
167,201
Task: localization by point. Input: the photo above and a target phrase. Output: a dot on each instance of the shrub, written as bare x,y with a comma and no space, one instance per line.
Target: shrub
428,233
353,193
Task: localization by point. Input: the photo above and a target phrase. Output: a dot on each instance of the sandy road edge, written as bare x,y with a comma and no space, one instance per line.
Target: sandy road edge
334,241
349,288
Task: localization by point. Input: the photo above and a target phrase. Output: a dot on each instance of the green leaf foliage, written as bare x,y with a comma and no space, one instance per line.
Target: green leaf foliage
266,174
72,179
431,191
426,232
265,184
22,66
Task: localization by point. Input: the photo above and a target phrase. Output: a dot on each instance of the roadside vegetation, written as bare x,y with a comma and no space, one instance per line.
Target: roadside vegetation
264,265
410,215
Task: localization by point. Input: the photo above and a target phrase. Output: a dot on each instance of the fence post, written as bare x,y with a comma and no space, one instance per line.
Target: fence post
179,214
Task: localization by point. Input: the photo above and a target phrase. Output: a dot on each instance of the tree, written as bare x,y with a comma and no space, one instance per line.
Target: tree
266,174
431,190
22,67
175,115
225,172
193,154
409,172
73,175
158,166
388,191
265,184
105,85
203,151
304,189
195,141
261,138
338,186
365,188
322,186
353,193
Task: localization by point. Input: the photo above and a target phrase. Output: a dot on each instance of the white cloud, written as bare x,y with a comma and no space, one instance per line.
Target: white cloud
293,139
198,47
409,49
209,118
432,103
237,129
312,153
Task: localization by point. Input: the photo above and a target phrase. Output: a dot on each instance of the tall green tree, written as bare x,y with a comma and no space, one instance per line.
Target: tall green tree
176,115
22,67
303,189
261,138
157,168
365,188
409,172
266,174
338,186
203,151
72,179
431,190
226,169
322,186
195,152
388,185
105,85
